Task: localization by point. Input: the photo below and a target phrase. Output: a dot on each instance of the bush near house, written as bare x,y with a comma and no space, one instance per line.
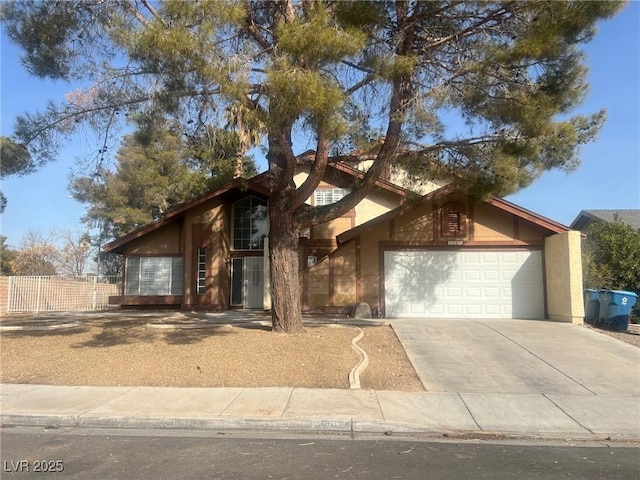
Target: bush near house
611,259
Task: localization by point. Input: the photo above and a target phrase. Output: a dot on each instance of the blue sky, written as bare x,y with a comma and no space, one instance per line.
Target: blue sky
609,177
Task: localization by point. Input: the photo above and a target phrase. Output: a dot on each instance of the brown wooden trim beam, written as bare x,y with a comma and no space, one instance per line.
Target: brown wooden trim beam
331,278
358,271
135,300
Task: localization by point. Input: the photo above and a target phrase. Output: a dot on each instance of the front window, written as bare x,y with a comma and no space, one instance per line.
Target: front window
249,224
327,196
202,271
153,276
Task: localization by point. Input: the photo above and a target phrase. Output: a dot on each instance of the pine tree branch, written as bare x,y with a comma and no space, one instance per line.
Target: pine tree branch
252,29
136,13
399,104
153,11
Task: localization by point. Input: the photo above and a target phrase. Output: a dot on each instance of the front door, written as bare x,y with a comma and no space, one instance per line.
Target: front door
247,282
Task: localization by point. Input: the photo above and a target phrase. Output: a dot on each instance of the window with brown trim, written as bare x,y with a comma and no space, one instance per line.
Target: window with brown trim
327,196
202,271
153,276
250,224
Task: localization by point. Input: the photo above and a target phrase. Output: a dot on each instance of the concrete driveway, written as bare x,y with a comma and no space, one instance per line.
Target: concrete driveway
518,357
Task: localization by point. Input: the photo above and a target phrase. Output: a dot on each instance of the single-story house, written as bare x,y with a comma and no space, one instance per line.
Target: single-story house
588,217
438,255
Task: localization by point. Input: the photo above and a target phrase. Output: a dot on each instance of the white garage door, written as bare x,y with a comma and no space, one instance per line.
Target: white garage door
464,284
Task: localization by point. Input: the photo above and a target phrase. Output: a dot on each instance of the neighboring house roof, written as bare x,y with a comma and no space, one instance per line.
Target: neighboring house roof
170,215
586,217
500,203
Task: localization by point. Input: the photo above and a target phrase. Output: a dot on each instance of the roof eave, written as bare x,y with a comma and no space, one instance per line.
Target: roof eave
354,232
533,217
118,244
500,203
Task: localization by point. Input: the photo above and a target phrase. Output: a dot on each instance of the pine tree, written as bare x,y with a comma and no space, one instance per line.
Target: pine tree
334,74
156,170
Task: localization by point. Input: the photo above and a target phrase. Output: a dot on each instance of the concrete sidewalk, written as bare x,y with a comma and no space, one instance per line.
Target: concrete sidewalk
549,416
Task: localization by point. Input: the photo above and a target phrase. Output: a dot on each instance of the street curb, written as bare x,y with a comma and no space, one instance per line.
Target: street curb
343,426
339,425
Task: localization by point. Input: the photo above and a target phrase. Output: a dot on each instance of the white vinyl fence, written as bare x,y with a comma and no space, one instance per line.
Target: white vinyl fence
51,294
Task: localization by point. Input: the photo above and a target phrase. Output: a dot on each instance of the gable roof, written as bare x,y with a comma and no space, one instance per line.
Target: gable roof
500,203
517,210
587,217
257,184
241,184
340,167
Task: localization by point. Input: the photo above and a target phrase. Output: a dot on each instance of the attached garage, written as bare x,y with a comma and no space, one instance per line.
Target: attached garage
505,283
451,256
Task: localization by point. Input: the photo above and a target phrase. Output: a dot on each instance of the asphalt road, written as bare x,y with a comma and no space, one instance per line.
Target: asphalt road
151,454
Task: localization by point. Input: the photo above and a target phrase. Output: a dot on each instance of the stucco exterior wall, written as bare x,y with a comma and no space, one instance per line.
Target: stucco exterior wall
492,224
317,284
370,263
332,228
344,276
332,282
164,241
299,179
529,232
374,205
414,226
563,269
399,176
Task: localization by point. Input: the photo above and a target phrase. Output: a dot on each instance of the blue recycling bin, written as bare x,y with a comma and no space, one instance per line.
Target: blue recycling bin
591,305
615,308
603,304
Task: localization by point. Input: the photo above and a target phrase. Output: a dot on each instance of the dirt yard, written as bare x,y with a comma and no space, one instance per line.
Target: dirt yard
133,350
631,336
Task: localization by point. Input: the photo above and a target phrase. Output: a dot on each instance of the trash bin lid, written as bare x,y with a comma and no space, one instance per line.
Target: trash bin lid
623,292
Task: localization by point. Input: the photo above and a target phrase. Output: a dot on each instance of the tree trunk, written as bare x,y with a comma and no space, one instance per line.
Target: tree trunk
286,310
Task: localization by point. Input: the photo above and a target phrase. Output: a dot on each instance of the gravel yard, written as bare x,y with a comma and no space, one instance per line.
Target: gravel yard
632,336
138,350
